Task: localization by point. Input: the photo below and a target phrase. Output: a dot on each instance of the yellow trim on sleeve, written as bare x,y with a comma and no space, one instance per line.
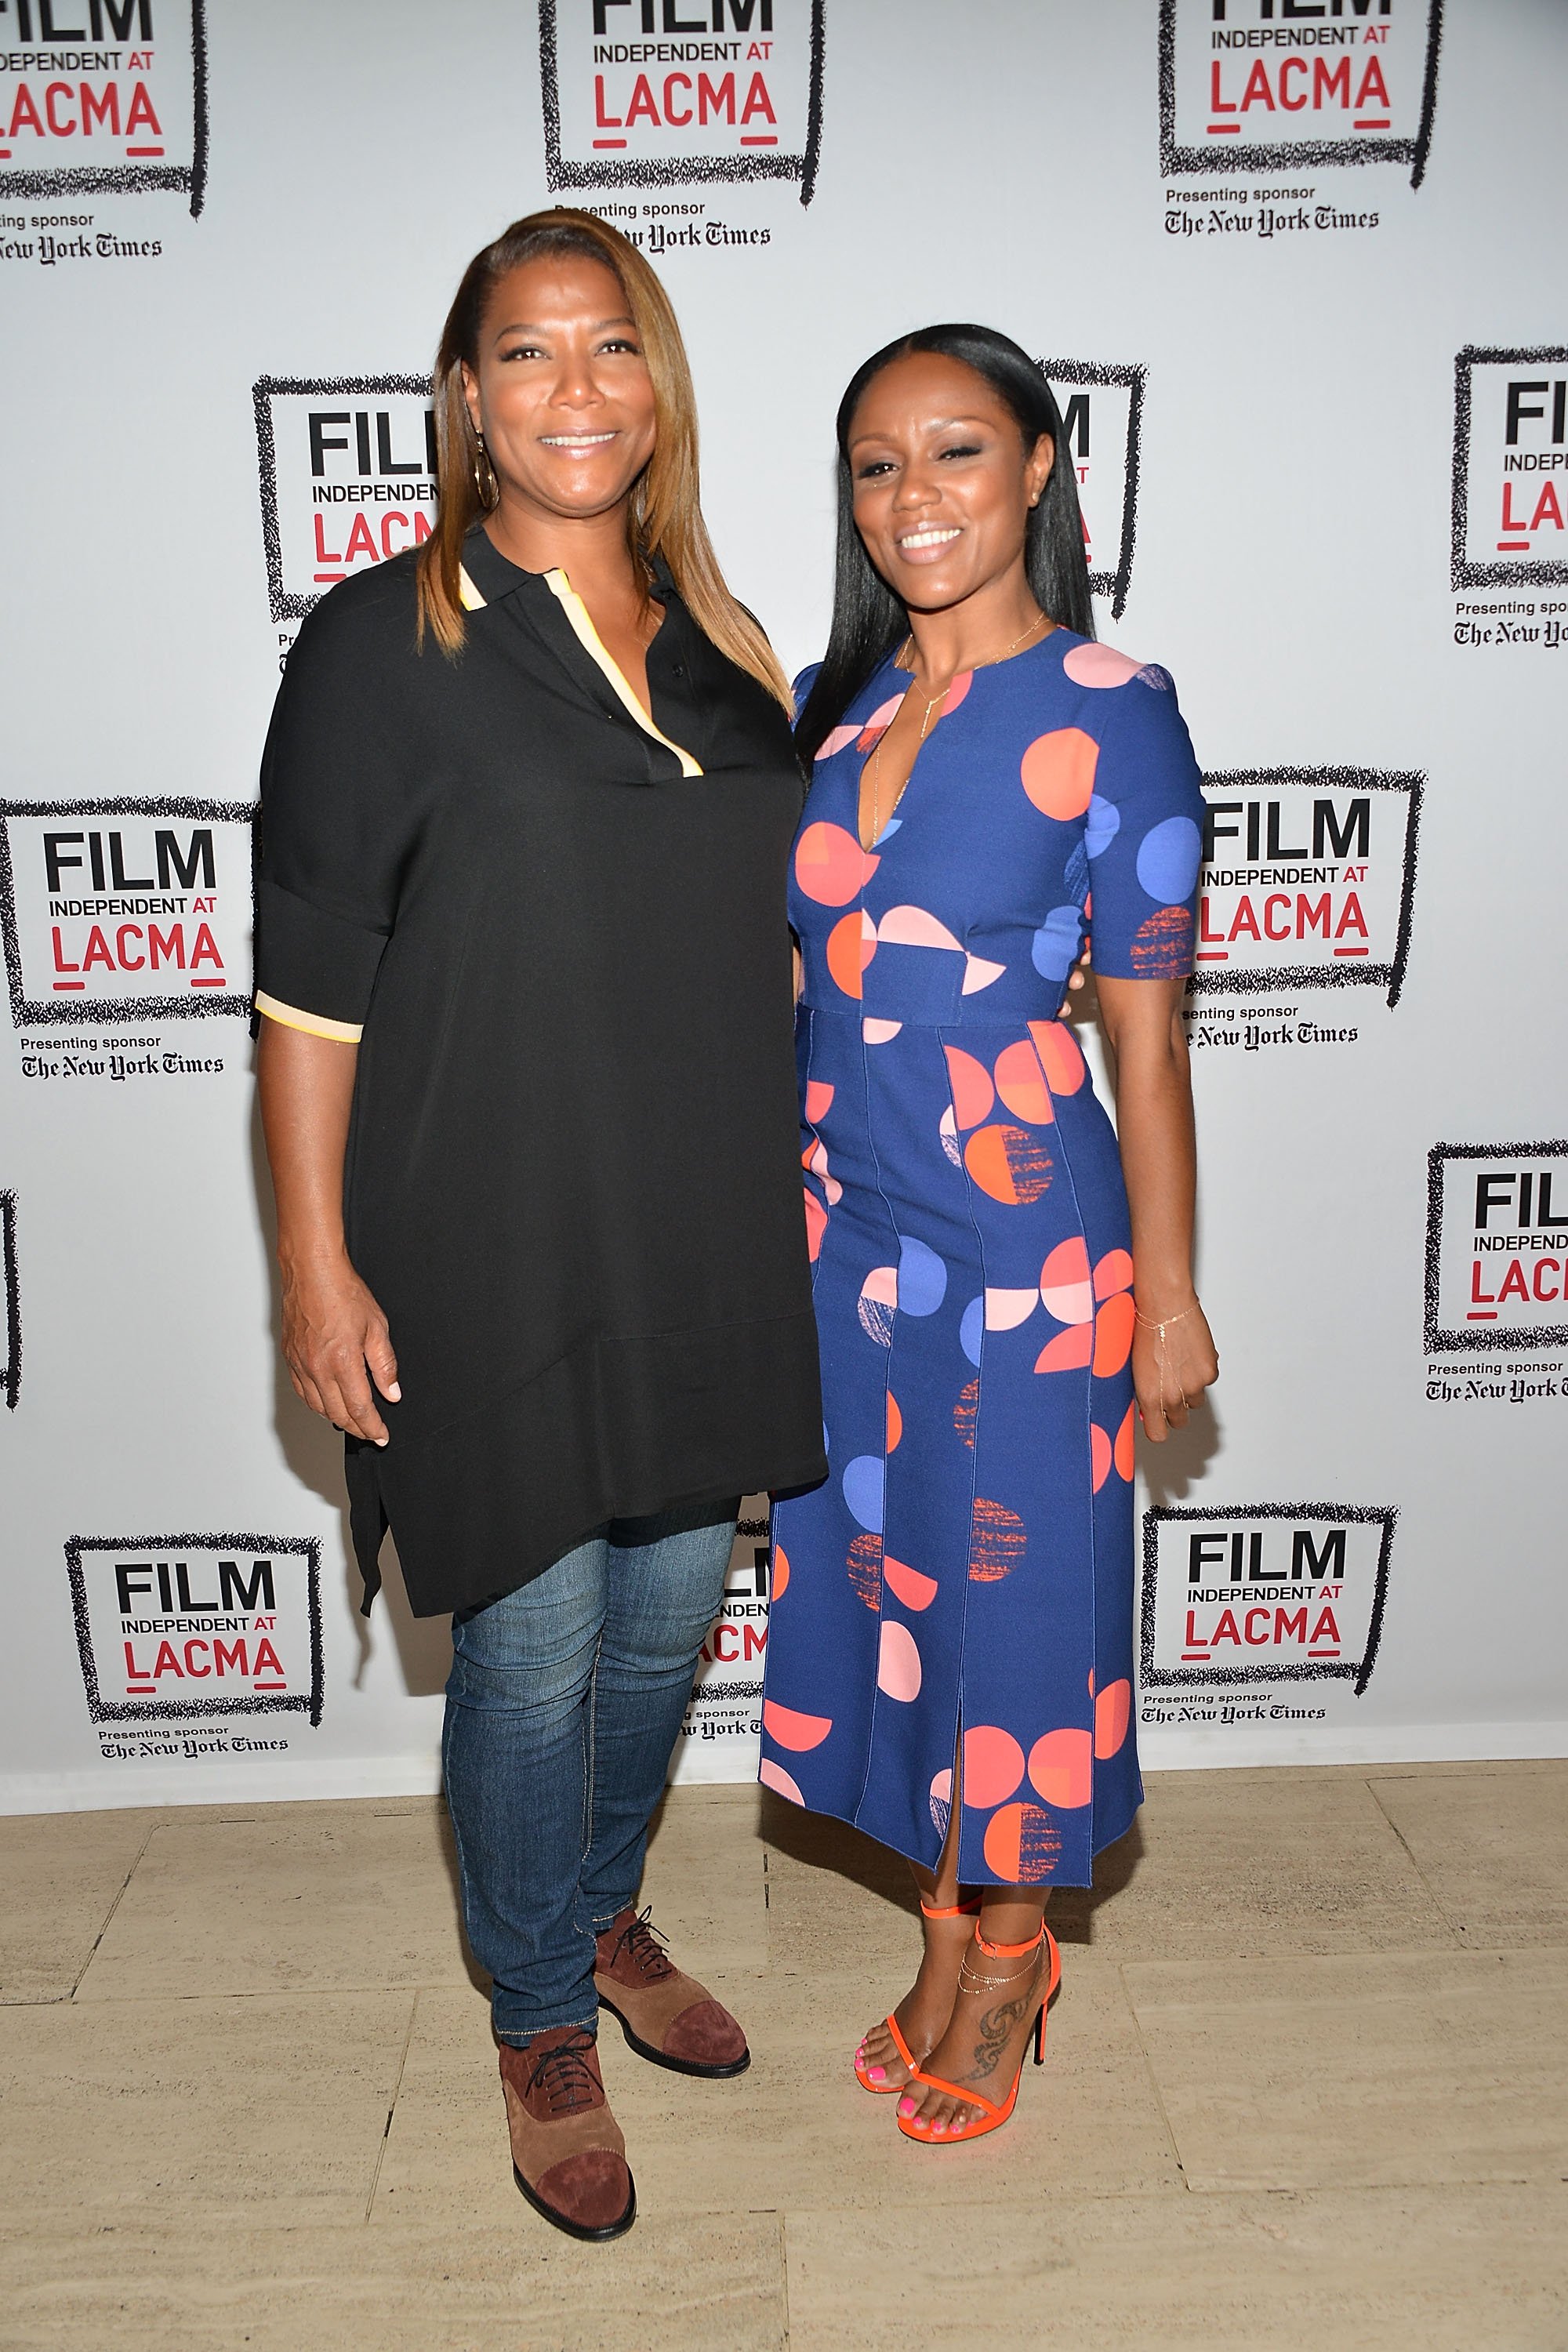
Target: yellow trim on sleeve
314,1024
588,637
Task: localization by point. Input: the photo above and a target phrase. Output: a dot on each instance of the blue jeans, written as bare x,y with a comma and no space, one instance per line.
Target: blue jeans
563,1703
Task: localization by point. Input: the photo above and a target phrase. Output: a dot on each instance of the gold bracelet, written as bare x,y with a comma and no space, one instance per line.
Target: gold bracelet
1160,1324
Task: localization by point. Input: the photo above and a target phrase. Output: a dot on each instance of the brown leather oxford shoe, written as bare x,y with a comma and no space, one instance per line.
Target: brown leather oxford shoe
568,2155
665,2015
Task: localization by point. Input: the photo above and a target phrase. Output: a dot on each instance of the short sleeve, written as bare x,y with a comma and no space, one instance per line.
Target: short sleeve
804,684
336,818
1143,832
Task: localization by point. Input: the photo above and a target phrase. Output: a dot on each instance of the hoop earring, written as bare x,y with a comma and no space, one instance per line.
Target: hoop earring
487,490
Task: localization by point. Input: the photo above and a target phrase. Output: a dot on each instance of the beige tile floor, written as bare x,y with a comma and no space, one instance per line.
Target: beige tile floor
1307,2082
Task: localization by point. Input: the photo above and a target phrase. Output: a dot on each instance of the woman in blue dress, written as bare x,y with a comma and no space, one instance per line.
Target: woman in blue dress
997,1275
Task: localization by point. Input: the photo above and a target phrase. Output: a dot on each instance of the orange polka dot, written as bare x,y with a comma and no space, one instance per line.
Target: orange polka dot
895,1423
792,1729
969,1082
997,1542
1098,1454
816,1225
865,1566
830,865
1069,1351
818,1099
1061,1767
907,1585
962,680
993,1765
966,1409
1112,1714
1010,1164
780,1575
1112,1273
1126,1443
1021,1083
1061,1056
1113,1335
1162,947
1057,772
851,944
1021,1844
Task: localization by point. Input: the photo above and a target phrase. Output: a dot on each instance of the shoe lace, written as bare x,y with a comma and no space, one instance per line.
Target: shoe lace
564,2075
644,1945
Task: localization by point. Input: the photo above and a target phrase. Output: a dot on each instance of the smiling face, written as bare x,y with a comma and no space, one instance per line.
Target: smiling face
562,391
942,480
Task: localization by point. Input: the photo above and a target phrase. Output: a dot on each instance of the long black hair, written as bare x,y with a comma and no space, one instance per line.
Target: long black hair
868,620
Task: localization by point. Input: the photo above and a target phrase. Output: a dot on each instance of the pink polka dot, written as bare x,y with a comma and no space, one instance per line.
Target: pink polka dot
880,719
970,1081
830,865
792,1729
1057,772
1112,1714
993,1765
1113,1272
1060,1054
1069,1351
1061,1767
1065,1285
898,1663
774,1775
915,927
836,741
1094,665
907,1585
1021,1083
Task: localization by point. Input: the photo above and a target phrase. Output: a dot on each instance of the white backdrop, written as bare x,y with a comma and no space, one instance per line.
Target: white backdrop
1320,423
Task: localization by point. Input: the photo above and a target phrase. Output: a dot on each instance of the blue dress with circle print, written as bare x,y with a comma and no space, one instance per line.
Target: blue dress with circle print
968,1565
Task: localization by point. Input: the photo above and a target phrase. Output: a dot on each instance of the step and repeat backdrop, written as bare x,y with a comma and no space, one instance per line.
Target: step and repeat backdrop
1292,267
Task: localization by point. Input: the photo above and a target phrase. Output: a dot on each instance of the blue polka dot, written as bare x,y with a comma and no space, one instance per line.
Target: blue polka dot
972,1323
1152,675
1056,947
922,1279
1168,858
892,827
864,1479
1076,876
1101,825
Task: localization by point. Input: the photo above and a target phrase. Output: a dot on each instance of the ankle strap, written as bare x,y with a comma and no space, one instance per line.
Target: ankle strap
1010,1951
952,1910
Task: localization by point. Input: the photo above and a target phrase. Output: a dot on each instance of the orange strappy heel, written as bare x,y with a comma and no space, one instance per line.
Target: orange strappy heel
993,2116
887,2090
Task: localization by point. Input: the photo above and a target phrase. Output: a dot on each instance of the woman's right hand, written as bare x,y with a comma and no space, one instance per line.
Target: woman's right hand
335,1343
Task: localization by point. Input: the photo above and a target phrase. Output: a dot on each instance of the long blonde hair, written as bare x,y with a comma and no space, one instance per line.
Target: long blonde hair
663,516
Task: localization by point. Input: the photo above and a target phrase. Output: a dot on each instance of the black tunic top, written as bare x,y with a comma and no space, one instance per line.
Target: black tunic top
573,1179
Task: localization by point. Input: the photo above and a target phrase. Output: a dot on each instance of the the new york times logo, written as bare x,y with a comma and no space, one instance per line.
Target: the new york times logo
1286,85
662,93
1282,1591
171,1626
122,911
113,98
1510,471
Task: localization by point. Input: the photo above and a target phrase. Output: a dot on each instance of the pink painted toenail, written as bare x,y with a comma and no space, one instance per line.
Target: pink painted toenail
906,2106
878,2073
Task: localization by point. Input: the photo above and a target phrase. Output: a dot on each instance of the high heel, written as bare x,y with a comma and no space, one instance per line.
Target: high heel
890,2090
993,2116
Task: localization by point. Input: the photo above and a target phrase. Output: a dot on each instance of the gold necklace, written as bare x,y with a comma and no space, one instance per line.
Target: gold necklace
932,700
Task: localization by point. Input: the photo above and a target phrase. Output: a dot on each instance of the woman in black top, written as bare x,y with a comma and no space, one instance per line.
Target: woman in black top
528,1087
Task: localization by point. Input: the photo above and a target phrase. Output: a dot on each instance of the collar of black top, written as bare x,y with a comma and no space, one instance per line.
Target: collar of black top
496,575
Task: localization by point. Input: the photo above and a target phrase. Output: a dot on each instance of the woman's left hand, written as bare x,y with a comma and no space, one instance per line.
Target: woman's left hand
1170,1373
